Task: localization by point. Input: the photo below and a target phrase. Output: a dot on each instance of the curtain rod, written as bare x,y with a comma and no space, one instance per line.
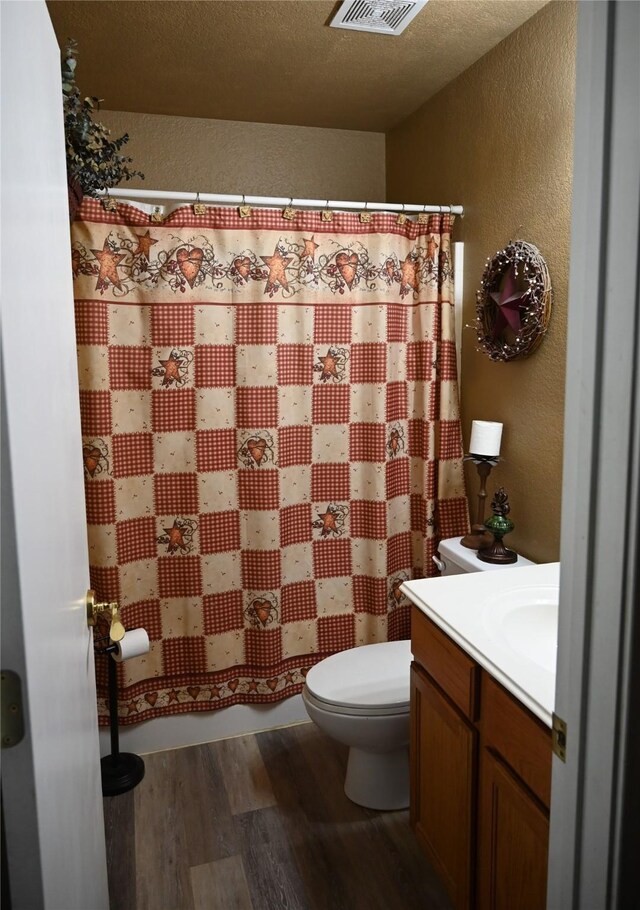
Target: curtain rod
277,201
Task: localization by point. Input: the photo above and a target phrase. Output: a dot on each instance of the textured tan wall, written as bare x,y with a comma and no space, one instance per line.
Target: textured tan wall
229,156
499,139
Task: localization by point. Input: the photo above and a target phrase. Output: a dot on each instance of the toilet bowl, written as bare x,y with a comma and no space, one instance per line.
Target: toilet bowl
360,698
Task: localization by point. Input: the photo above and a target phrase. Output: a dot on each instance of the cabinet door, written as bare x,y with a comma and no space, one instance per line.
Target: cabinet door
513,835
443,748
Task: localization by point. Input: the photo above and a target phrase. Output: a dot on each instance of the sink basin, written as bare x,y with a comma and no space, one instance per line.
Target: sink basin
525,620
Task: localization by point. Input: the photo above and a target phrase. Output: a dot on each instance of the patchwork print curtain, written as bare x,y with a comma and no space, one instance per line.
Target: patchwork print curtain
271,439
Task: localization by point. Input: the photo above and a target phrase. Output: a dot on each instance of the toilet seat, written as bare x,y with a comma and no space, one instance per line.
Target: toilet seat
370,680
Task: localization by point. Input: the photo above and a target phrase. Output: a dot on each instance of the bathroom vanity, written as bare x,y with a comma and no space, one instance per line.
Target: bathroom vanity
482,686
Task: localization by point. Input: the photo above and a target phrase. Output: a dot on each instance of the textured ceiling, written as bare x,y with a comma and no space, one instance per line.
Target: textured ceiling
275,61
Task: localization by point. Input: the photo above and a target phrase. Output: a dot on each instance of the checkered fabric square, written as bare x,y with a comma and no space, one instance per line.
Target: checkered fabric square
399,624
259,489
263,647
295,364
336,633
331,558
95,413
430,547
257,407
332,324
100,501
184,656
129,367
222,612
447,367
452,514
105,581
368,519
216,450
418,508
419,443
399,552
295,524
132,454
330,404
298,601
173,410
219,532
397,401
215,365
179,576
257,323
175,494
397,323
295,446
92,322
369,362
261,569
370,595
398,478
367,442
450,440
136,539
420,358
172,324
144,615
330,482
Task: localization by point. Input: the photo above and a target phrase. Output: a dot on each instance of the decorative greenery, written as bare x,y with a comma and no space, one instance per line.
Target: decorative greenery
93,158
513,306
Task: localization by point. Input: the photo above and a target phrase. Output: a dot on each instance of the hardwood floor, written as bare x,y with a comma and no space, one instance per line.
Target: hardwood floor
260,822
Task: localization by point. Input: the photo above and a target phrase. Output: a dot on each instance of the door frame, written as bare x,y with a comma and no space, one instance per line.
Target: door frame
594,798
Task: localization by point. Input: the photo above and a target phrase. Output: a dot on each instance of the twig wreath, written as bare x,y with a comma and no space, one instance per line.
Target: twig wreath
513,303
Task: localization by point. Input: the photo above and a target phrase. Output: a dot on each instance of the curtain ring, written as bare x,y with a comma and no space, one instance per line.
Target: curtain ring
423,218
199,208
365,216
109,204
402,218
327,214
288,211
244,210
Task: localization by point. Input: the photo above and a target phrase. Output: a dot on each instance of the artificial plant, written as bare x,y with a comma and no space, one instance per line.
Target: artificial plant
94,162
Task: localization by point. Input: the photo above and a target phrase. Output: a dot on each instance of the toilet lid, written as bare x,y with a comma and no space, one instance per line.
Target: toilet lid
372,676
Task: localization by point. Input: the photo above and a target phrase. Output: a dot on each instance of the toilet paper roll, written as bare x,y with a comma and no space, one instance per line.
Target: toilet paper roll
134,643
485,438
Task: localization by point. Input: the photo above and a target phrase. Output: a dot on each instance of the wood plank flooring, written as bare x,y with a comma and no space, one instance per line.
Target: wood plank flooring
260,822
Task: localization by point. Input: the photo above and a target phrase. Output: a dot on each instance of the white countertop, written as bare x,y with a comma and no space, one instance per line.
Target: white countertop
506,621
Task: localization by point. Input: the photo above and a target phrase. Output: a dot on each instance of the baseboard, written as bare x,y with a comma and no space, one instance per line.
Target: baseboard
204,727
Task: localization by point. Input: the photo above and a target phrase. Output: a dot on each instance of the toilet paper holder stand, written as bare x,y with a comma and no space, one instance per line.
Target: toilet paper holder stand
120,771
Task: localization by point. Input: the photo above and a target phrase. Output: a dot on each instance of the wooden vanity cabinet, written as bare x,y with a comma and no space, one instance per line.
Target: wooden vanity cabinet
480,779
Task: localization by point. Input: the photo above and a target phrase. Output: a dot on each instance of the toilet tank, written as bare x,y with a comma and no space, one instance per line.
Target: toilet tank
454,559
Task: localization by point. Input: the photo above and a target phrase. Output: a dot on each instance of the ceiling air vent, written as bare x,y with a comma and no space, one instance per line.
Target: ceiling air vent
383,17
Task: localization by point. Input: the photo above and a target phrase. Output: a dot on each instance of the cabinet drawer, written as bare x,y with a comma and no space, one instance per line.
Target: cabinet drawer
521,739
453,670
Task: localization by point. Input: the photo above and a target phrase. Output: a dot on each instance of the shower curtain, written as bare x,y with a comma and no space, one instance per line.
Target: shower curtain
271,439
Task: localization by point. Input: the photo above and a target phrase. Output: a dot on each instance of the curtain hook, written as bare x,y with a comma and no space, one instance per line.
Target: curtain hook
423,217
199,208
109,204
244,210
365,217
327,215
288,211
402,218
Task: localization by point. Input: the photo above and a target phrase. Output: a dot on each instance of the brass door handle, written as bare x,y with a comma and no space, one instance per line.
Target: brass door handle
116,629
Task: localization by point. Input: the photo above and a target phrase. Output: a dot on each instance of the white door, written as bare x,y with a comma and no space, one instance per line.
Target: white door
51,779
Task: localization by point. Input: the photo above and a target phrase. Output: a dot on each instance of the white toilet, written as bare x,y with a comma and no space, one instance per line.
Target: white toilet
360,697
